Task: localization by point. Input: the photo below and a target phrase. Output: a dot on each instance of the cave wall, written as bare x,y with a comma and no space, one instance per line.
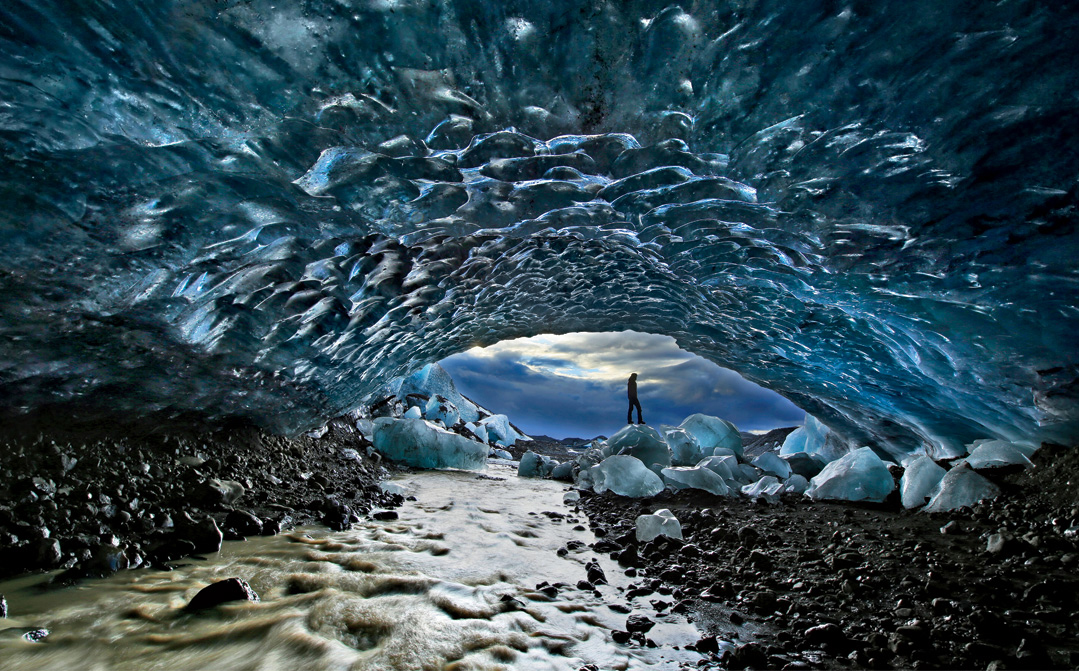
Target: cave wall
253,210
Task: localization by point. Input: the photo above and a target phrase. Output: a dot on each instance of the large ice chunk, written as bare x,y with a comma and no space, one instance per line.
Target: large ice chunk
856,476
796,484
696,477
661,523
806,465
535,465
590,458
563,471
685,448
440,408
747,473
478,430
432,380
501,431
721,466
626,476
919,481
366,428
419,443
643,442
998,453
413,413
712,432
809,437
770,463
959,488
767,488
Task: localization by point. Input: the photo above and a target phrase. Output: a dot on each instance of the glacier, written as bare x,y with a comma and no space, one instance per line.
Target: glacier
919,482
660,523
265,211
644,443
695,477
626,476
859,475
420,443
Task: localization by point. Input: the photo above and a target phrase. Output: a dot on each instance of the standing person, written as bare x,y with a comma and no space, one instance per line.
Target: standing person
631,389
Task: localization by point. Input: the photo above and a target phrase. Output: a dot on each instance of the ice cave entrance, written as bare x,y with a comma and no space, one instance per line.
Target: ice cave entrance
574,385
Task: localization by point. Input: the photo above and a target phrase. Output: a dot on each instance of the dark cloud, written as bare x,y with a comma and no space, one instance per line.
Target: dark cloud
575,385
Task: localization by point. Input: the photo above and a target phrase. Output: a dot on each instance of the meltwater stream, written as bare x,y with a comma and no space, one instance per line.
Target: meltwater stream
451,584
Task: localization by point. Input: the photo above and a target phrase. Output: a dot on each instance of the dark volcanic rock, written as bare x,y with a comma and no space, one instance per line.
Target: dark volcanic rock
878,586
596,575
170,549
232,589
203,534
338,516
128,493
828,636
214,493
106,560
244,522
46,553
638,623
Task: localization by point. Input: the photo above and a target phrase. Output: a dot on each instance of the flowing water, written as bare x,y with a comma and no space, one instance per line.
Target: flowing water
449,585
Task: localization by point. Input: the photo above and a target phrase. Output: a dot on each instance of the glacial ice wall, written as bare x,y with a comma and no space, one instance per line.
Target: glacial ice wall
268,209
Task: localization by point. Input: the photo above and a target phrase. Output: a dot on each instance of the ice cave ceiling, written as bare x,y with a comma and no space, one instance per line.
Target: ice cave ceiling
267,209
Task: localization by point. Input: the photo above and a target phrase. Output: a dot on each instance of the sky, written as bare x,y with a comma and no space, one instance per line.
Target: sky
574,385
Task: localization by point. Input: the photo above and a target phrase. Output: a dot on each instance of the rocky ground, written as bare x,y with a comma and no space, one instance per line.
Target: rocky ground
797,584
560,450
94,506
826,585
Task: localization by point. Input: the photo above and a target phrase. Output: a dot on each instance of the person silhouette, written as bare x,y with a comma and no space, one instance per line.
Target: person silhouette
631,389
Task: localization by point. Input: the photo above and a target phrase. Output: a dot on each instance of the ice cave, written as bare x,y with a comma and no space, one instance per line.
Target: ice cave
250,218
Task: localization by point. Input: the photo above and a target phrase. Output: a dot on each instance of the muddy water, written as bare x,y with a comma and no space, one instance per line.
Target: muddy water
449,585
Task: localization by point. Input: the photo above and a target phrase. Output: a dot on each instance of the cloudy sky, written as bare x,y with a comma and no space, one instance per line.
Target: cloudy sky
575,384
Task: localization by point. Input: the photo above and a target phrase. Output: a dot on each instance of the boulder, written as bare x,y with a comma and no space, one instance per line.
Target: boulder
232,589
244,522
203,534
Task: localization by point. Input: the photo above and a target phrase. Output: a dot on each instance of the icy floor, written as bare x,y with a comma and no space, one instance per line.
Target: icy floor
429,590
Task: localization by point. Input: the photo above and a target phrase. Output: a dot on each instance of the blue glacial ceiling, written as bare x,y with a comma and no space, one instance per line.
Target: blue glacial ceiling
269,209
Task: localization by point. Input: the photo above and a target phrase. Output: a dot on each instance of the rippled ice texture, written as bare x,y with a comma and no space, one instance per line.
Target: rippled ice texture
268,209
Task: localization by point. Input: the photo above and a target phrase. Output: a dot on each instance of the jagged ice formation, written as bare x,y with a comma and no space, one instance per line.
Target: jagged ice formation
267,210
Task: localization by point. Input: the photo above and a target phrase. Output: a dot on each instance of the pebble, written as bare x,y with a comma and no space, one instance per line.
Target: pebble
595,573
622,637
639,623
827,635
707,645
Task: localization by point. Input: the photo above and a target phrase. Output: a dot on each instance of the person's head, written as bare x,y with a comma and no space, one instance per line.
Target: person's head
633,376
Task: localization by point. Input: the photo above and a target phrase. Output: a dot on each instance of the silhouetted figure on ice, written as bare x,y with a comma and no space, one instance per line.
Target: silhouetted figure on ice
631,389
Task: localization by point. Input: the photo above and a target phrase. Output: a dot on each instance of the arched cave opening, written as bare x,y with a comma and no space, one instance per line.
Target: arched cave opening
228,226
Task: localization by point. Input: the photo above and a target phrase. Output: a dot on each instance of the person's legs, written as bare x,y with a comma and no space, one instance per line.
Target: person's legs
629,413
637,403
